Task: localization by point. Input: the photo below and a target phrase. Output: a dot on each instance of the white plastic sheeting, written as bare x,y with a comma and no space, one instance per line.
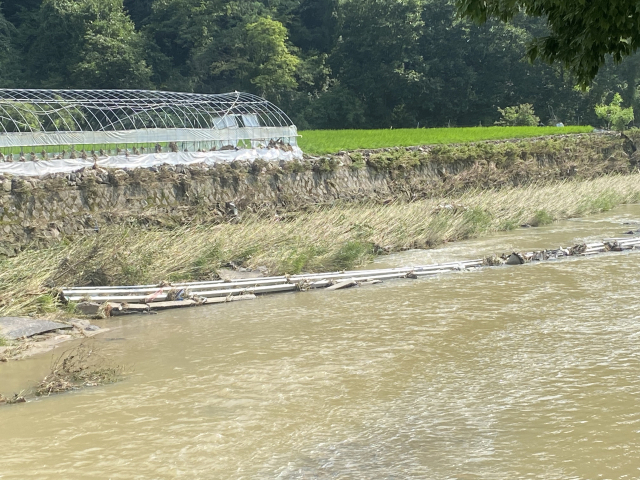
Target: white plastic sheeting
228,134
39,168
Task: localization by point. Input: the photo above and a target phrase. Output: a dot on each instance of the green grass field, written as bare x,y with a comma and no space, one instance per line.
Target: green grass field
320,142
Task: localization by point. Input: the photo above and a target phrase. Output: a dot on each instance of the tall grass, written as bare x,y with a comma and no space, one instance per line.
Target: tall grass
333,237
320,142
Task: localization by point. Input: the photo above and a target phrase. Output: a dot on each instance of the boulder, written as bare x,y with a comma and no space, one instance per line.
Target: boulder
91,309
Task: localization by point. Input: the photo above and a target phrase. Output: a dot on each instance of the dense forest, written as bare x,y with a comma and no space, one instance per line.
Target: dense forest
328,63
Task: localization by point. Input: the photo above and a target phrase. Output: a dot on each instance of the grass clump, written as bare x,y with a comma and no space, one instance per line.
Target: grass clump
476,221
325,165
46,303
3,341
321,142
357,161
541,217
354,252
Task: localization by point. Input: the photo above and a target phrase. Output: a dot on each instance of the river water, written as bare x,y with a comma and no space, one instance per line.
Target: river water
510,372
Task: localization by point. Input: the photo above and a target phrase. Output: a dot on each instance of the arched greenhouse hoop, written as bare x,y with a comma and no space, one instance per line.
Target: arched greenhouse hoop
68,124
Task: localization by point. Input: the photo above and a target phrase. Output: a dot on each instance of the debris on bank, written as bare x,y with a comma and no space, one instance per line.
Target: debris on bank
122,300
13,328
77,368
26,336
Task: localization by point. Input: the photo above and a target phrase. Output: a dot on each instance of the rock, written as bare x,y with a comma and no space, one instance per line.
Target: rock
91,328
81,324
515,259
90,309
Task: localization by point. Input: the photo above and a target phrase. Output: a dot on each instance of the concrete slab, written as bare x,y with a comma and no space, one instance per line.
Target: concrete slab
17,327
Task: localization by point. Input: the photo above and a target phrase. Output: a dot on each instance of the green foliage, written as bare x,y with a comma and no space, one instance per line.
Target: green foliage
300,258
295,167
272,65
579,33
71,308
19,117
357,161
508,225
518,116
325,165
207,262
352,253
3,341
476,221
541,218
320,142
399,159
329,64
602,202
46,304
614,115
85,43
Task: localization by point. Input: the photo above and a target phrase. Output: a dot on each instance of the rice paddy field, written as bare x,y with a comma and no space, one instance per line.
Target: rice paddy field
321,142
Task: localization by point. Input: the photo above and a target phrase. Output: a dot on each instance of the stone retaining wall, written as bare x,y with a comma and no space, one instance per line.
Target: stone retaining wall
38,211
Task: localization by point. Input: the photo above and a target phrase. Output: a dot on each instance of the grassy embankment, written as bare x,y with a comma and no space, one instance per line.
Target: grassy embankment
328,238
321,142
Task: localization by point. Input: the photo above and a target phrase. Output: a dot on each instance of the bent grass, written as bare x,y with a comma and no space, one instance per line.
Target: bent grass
328,238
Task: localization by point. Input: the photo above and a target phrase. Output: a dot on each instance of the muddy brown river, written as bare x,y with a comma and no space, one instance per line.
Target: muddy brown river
504,373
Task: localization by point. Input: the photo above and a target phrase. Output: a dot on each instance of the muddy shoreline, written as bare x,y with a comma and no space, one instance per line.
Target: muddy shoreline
167,206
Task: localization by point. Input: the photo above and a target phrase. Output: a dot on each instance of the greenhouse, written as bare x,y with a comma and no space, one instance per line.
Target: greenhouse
47,125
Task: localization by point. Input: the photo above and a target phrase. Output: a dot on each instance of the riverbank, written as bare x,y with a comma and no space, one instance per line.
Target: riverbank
323,238
476,365
39,212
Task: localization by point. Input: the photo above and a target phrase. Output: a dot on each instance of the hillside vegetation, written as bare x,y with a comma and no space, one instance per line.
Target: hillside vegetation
329,64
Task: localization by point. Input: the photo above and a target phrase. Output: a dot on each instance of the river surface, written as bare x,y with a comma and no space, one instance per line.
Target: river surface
504,373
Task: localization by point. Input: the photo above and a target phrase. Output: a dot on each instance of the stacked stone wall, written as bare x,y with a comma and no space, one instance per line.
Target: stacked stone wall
38,211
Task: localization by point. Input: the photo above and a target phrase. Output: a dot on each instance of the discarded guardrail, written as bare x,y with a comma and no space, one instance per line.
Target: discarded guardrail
120,300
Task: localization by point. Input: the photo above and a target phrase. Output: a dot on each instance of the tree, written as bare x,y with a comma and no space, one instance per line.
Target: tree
614,115
112,55
313,25
84,43
138,10
8,54
376,55
13,10
518,116
271,66
260,61
581,33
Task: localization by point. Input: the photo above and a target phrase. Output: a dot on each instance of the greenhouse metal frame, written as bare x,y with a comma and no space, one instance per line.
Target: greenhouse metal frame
59,122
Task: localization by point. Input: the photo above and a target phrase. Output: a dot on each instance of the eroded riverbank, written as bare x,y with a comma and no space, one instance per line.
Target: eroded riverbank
501,373
328,238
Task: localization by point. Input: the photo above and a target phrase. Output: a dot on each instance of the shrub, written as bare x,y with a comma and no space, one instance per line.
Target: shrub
518,116
614,115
